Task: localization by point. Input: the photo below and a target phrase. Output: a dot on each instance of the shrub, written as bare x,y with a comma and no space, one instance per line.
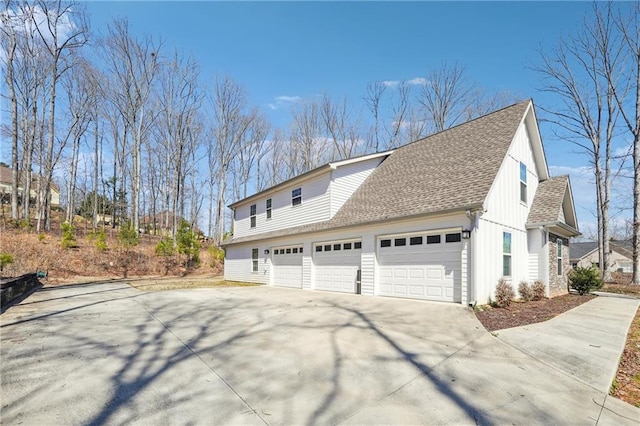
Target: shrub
525,291
41,237
127,235
5,260
187,242
583,280
504,293
68,236
101,240
217,255
164,247
537,291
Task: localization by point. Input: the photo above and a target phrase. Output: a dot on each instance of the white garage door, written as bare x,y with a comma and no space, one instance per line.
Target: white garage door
336,265
421,266
287,266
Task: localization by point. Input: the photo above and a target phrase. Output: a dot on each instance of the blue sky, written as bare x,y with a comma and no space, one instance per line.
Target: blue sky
302,49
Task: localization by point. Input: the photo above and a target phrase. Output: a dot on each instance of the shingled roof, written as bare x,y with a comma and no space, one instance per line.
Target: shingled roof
451,170
547,203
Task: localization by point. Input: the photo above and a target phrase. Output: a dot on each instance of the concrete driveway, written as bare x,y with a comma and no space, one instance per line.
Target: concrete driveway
107,353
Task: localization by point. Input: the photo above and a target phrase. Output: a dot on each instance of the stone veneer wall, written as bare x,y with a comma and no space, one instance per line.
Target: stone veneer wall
558,284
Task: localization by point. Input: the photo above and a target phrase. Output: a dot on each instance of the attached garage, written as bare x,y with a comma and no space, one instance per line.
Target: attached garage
424,265
287,266
336,266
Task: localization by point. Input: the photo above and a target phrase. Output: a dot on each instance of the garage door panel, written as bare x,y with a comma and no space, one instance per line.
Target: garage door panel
422,271
336,270
287,269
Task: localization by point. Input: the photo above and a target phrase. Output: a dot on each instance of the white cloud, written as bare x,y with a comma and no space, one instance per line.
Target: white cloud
391,83
280,101
417,81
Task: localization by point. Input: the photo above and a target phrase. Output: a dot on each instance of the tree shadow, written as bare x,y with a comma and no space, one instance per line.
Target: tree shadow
232,337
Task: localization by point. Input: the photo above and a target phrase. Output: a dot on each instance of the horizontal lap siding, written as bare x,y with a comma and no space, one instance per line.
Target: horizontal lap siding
315,207
238,264
346,179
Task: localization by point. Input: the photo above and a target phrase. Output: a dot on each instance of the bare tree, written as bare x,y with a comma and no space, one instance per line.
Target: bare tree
228,102
79,91
340,128
9,46
373,101
625,85
64,29
446,96
575,72
134,66
308,144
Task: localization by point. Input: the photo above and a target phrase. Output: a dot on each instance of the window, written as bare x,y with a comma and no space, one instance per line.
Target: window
433,239
327,247
346,246
254,260
385,243
253,215
300,249
288,251
296,197
399,242
523,183
295,250
318,248
453,238
337,246
357,245
268,208
506,254
559,245
415,241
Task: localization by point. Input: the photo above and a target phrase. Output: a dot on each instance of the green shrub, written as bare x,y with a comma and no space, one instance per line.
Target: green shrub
164,247
187,242
41,237
5,260
68,236
504,293
128,235
584,280
537,291
217,255
101,240
525,291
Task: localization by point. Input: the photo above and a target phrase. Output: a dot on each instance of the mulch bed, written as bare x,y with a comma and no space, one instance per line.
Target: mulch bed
626,385
523,313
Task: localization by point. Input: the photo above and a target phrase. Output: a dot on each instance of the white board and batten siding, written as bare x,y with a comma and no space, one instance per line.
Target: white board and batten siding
346,179
505,212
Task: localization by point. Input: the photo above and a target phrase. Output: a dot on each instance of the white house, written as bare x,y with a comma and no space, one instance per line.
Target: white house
442,218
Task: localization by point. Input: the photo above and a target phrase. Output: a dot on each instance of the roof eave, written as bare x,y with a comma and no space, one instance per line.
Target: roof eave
568,230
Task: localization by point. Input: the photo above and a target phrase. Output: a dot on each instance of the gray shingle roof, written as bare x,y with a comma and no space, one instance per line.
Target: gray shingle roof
581,249
448,171
547,204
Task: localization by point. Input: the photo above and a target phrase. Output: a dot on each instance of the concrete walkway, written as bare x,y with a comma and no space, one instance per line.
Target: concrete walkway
585,342
109,354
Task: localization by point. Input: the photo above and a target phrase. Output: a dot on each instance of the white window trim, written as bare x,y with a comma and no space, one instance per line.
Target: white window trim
255,263
509,254
521,182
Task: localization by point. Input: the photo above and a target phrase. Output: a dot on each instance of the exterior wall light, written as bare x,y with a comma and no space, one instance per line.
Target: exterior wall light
266,251
466,234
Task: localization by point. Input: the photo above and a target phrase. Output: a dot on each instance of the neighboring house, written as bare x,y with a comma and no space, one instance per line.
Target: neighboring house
442,218
161,223
585,254
5,188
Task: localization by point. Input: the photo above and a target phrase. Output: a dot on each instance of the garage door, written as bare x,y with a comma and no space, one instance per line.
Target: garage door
421,266
336,265
287,266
